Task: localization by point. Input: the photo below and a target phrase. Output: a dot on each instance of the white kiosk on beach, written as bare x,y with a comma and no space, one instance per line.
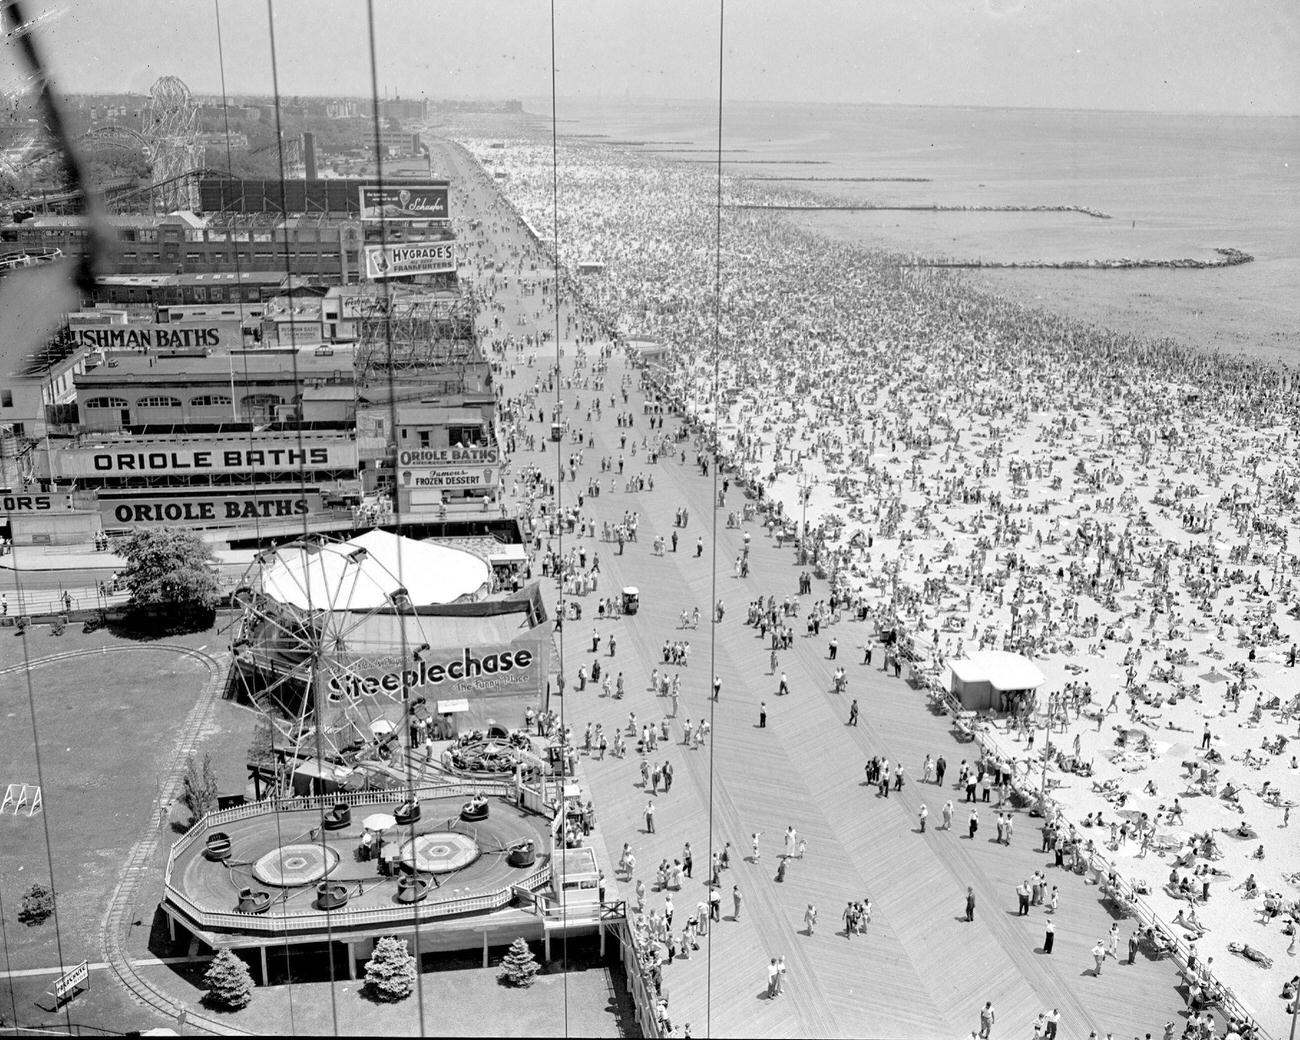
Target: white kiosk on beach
993,679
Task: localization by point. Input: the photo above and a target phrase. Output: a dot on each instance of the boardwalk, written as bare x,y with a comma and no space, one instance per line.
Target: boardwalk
923,971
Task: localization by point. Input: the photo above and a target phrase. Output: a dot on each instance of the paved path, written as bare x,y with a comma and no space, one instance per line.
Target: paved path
922,971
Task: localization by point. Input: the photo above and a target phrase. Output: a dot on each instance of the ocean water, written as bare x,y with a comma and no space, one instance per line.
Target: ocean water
1175,186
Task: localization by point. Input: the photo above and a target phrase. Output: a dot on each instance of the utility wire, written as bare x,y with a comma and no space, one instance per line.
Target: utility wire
392,425
713,577
559,481
302,484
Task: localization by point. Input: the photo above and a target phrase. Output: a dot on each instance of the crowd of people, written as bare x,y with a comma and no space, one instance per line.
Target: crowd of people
968,472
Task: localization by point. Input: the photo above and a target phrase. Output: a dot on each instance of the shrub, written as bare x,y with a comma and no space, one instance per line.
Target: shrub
390,972
199,787
519,966
229,982
38,905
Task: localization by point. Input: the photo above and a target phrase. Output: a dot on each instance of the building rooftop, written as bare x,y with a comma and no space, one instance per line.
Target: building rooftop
301,364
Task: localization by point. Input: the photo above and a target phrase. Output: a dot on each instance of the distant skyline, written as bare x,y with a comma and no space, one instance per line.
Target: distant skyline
1220,56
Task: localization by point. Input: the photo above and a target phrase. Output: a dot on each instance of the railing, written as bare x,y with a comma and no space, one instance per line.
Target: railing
1147,916
1179,948
315,920
645,1001
243,812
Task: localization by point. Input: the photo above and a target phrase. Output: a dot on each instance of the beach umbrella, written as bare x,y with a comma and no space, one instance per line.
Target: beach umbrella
380,821
1214,675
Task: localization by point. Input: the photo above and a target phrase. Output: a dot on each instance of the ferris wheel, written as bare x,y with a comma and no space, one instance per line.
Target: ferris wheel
327,649
169,122
334,642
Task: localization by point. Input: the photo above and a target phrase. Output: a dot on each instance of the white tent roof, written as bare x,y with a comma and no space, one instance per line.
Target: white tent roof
1000,669
333,577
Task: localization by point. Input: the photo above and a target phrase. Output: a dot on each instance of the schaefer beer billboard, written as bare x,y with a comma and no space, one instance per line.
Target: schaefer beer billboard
404,202
397,261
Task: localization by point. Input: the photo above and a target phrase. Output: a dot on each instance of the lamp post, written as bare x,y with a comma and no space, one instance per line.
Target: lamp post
805,488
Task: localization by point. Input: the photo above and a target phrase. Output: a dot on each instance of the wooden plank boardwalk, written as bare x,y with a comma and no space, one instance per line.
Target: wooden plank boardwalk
922,971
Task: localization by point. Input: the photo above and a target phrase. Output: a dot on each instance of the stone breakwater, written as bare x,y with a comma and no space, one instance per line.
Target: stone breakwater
845,207
846,180
1226,258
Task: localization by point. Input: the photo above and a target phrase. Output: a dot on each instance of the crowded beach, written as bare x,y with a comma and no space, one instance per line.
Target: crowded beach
973,474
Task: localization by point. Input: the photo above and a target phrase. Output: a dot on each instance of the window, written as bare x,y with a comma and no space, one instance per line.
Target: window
200,293
159,402
106,402
6,398
210,401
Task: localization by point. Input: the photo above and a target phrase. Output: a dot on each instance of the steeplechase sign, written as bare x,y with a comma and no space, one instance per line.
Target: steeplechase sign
510,668
66,985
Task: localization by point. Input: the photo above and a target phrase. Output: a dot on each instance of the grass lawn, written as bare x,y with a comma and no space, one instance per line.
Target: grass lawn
107,726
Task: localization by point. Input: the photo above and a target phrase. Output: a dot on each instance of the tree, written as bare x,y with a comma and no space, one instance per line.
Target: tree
261,752
199,787
38,905
170,574
229,982
390,972
519,966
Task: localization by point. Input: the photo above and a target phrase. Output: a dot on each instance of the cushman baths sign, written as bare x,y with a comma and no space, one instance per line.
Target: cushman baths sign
480,670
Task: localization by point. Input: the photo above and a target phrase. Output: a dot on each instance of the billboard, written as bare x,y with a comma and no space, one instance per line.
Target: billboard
26,503
230,457
357,306
403,202
209,510
157,337
397,261
456,477
446,456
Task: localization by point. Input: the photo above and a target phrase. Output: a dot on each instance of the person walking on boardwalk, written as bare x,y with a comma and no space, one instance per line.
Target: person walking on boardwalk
1023,893
650,817
784,688
789,840
1050,938
947,815
970,903
772,972
1098,956
810,918
940,766
987,1017
925,812
735,902
1133,947
974,823
753,842
762,714
1112,941
853,713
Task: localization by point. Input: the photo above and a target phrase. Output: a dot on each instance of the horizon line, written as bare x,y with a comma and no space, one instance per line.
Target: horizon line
653,99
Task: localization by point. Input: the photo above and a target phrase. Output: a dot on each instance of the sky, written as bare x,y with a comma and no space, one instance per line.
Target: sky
1238,56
